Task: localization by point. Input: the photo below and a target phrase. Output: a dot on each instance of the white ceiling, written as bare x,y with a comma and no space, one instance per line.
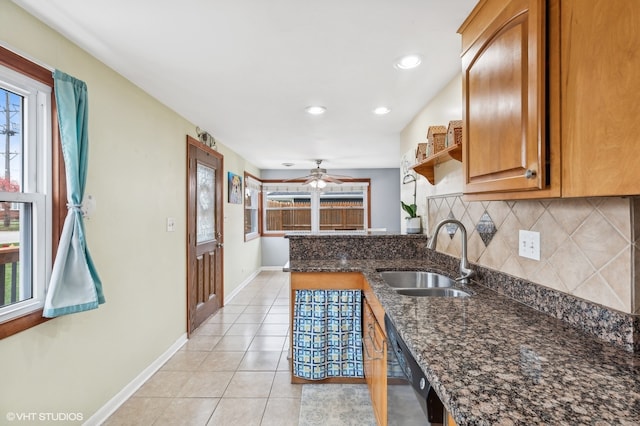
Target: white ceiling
244,70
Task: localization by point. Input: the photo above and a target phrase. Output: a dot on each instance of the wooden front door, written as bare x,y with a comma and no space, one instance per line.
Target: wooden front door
204,233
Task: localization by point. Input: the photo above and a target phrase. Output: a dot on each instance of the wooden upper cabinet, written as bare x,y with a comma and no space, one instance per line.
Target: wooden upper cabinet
600,45
552,87
504,97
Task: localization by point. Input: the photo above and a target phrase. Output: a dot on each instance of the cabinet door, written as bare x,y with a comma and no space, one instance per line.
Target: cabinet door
375,362
504,100
600,41
367,323
450,420
379,394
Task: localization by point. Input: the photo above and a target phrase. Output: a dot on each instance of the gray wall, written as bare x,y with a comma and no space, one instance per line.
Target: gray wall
385,206
275,251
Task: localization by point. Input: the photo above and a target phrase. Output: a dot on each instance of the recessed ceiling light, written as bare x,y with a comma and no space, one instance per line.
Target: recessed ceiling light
408,62
288,164
315,109
381,110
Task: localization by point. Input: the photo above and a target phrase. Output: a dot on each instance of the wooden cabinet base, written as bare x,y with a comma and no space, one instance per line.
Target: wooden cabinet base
374,341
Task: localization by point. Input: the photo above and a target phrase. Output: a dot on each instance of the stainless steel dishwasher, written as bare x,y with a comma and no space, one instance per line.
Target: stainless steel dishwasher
410,398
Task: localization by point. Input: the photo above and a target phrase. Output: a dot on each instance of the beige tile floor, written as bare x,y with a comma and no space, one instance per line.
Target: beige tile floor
233,370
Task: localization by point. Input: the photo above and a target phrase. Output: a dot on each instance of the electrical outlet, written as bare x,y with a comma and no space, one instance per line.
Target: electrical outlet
529,244
171,224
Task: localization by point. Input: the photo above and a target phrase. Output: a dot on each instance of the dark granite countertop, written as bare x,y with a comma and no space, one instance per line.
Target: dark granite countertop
493,360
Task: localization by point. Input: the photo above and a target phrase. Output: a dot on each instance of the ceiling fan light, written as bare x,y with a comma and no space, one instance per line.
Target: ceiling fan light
318,183
318,177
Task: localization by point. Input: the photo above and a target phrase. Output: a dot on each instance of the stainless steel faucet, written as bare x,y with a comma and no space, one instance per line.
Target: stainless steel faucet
465,271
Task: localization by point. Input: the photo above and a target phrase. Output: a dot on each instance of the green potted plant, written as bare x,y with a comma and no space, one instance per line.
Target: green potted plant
414,225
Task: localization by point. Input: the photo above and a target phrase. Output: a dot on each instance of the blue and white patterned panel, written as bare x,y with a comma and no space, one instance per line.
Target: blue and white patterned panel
327,334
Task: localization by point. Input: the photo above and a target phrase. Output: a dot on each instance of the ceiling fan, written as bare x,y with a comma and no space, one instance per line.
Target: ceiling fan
318,177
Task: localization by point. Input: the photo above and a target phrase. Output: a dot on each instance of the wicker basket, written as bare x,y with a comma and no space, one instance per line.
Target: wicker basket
438,136
429,149
421,152
454,133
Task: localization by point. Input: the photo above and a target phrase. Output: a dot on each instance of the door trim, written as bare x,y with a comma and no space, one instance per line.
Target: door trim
191,225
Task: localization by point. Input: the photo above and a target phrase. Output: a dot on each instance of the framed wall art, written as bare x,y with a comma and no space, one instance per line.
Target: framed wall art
235,188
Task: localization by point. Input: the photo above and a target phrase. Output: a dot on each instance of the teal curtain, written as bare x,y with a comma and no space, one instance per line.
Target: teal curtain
327,334
75,285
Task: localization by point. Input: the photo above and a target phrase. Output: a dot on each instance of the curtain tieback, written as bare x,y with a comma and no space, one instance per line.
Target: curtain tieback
77,207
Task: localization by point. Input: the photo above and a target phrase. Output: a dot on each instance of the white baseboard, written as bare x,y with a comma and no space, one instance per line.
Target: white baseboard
114,403
250,278
242,285
271,268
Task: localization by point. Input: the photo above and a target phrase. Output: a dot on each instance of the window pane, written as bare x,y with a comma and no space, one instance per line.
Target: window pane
26,199
251,211
254,220
16,287
288,211
342,211
14,254
11,150
205,199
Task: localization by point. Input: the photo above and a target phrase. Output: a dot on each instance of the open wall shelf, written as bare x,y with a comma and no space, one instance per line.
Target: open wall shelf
427,166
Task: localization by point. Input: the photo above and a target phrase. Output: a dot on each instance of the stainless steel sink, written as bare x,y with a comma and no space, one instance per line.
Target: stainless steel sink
416,279
433,292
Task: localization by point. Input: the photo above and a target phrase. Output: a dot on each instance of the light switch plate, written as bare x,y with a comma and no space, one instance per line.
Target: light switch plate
171,224
529,244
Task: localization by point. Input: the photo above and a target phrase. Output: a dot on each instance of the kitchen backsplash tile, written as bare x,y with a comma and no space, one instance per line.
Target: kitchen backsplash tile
588,245
486,228
570,213
616,211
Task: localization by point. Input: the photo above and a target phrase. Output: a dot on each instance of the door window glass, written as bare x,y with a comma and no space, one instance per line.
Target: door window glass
206,203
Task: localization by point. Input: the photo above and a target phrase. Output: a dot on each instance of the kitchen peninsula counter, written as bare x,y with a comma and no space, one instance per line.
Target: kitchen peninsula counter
493,360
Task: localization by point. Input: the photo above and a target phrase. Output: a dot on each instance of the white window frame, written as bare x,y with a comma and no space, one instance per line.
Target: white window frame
35,238
346,187
315,203
252,190
291,187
